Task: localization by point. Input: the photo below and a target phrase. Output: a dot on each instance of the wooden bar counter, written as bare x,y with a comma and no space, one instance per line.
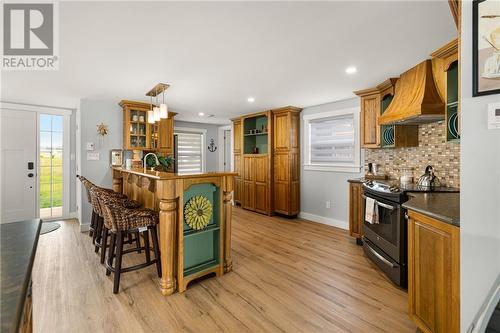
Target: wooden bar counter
191,245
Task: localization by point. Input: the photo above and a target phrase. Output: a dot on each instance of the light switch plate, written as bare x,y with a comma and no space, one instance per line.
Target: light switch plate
90,146
92,156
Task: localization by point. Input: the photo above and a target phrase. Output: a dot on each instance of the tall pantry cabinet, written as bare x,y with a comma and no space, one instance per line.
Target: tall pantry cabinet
267,160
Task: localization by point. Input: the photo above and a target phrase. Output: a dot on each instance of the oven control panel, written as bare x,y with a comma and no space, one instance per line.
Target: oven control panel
381,187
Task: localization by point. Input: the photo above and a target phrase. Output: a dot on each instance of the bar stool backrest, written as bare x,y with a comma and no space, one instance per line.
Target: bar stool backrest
94,200
87,184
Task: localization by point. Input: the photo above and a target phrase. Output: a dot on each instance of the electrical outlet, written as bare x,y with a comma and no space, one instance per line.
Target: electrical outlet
328,204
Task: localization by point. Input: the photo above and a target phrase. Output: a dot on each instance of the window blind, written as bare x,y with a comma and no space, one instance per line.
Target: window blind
189,152
332,140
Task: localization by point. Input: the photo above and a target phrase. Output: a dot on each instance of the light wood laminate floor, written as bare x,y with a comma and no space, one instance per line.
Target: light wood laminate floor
289,276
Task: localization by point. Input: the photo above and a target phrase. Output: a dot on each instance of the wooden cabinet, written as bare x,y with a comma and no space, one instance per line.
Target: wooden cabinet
356,218
370,110
252,132
286,160
374,102
136,132
139,134
166,134
270,178
237,142
237,136
433,274
255,183
237,179
26,325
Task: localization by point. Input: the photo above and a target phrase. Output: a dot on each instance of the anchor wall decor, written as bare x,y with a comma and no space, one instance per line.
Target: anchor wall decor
212,147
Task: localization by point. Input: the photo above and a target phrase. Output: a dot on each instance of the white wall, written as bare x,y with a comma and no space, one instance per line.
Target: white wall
93,112
480,189
317,187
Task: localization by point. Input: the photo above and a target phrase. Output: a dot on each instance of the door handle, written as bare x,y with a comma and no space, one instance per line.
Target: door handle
30,175
385,205
376,254
381,204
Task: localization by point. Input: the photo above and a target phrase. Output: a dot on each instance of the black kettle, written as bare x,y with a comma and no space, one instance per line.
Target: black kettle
428,179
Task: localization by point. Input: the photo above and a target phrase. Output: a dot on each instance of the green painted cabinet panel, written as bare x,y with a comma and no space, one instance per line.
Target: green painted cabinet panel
260,139
201,247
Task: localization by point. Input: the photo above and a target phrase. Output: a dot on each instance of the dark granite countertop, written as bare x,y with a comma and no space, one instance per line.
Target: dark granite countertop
444,207
18,245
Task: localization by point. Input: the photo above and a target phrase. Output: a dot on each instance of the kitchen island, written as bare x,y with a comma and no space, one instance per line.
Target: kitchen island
195,220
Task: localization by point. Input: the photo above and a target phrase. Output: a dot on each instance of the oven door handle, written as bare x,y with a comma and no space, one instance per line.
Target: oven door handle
376,254
381,204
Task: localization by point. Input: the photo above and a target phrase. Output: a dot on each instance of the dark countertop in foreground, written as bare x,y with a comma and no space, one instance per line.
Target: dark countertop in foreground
18,247
444,207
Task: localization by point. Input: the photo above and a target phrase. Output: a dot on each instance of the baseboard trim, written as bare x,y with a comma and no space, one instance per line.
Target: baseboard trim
84,227
324,220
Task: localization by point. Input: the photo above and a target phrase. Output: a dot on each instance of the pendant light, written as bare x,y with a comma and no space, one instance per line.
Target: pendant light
156,111
163,107
151,116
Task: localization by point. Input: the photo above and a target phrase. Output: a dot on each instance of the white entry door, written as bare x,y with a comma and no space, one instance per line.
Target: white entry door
18,164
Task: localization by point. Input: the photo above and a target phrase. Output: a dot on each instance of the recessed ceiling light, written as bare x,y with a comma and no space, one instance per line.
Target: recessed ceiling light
251,99
201,114
351,70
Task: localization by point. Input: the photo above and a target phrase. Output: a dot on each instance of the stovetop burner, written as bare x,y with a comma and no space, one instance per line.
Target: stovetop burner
396,190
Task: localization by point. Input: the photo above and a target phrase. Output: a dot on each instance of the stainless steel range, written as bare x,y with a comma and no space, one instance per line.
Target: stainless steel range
385,241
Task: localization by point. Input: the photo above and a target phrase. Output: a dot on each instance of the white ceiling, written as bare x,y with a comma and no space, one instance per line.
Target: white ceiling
215,55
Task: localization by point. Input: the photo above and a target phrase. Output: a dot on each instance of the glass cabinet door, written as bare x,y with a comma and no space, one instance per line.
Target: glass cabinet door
138,126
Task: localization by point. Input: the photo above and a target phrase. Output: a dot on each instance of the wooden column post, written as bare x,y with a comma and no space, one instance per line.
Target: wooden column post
166,190
117,181
228,215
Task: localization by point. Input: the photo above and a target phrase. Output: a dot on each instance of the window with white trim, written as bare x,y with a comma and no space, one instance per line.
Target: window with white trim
332,141
190,157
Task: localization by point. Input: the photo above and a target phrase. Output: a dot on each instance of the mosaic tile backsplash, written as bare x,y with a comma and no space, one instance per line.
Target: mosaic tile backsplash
432,150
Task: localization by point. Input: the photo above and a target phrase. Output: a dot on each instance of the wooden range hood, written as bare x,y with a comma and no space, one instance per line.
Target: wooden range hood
416,98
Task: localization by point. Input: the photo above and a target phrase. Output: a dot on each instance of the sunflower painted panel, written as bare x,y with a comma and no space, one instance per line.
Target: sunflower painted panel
201,228
206,193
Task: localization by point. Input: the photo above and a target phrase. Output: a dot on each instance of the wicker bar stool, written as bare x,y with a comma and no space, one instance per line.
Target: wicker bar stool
102,241
95,223
120,222
97,194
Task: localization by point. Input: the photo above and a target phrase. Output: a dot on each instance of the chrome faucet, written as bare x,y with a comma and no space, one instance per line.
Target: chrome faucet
145,158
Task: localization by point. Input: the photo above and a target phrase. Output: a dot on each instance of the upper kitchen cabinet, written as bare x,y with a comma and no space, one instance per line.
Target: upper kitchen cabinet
374,102
370,110
139,134
136,132
446,69
166,134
